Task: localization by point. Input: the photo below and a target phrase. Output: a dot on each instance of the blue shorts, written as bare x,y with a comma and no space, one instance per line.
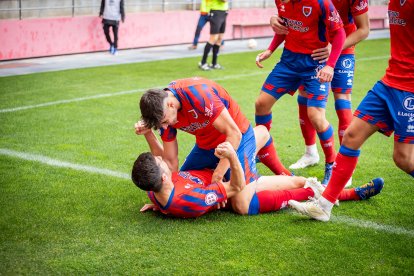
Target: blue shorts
199,159
295,69
343,77
389,109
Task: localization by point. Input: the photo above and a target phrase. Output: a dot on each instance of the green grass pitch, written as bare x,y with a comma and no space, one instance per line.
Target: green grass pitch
74,221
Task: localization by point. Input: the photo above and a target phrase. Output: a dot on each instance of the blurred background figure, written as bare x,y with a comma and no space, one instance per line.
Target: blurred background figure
111,12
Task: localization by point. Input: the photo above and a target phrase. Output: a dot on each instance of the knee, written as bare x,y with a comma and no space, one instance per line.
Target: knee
403,161
349,137
260,106
239,208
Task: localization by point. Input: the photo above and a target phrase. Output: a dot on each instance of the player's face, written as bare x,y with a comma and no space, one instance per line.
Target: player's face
162,165
170,115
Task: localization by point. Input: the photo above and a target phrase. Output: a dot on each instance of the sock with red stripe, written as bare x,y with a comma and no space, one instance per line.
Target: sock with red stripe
348,194
265,120
269,201
344,112
308,131
346,162
326,139
268,156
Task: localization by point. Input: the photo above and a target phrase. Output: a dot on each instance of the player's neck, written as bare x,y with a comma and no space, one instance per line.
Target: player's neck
164,195
172,98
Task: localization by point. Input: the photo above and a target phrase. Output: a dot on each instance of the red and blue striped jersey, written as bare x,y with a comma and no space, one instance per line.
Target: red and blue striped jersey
202,101
348,9
400,71
193,195
309,23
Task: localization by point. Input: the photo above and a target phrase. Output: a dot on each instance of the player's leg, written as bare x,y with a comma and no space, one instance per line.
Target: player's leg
202,21
255,198
342,84
217,43
317,98
108,37
404,156
311,156
371,115
362,192
280,81
115,28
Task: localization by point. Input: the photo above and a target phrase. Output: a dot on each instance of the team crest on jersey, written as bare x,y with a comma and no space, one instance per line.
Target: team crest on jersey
210,198
192,111
347,63
409,103
306,10
402,2
334,17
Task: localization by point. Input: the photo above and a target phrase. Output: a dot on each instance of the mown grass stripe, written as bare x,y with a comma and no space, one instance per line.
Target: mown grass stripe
7,110
63,164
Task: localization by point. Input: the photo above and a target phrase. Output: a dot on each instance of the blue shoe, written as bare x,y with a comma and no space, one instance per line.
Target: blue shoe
111,49
328,173
370,189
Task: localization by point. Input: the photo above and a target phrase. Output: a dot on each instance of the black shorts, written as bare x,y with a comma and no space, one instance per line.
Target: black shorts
217,22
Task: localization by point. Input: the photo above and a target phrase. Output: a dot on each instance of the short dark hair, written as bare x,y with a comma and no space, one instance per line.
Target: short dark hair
152,107
146,173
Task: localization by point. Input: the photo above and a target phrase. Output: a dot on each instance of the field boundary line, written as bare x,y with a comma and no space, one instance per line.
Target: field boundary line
84,168
62,164
7,110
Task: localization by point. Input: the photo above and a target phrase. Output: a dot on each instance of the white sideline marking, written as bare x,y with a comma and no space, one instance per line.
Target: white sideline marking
71,100
57,163
141,90
78,167
372,225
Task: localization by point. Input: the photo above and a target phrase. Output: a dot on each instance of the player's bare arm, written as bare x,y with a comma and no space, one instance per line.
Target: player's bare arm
361,33
237,182
226,125
170,155
152,140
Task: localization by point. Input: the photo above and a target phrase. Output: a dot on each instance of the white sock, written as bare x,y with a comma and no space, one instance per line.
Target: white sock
311,150
325,204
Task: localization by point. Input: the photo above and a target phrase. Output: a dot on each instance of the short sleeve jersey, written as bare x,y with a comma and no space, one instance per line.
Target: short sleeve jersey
348,10
192,195
309,23
400,71
201,102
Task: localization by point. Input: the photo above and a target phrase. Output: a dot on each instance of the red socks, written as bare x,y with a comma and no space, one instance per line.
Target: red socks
345,164
275,200
268,156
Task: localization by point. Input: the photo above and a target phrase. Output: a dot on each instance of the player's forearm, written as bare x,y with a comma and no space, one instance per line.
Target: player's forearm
276,41
356,37
337,42
155,145
237,181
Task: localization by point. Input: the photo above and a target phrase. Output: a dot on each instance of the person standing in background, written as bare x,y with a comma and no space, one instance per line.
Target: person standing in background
218,15
111,12
202,21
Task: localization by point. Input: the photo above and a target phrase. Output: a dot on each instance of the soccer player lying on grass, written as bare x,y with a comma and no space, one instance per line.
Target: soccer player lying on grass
189,194
388,107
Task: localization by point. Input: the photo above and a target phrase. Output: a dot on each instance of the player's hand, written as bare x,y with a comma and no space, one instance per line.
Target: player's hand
224,150
140,128
325,74
221,204
147,207
278,25
262,56
322,54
